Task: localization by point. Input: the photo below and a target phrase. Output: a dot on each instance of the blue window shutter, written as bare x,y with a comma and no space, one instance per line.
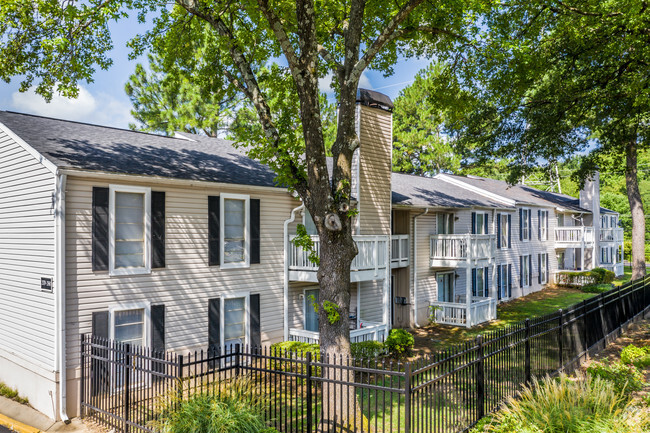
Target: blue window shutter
521,225
509,231
530,225
486,285
548,276
539,223
539,268
474,282
498,231
473,223
521,271
499,282
509,280
485,222
530,268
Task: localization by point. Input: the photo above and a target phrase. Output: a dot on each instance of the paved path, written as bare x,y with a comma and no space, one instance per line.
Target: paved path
4,429
26,419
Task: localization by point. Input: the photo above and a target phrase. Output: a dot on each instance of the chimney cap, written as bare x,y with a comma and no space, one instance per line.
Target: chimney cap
374,99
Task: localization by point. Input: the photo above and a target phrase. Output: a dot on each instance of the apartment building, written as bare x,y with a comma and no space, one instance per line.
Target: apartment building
180,243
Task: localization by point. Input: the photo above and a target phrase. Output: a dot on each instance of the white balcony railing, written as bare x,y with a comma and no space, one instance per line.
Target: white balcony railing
399,251
453,313
369,263
451,250
370,332
617,268
574,236
611,235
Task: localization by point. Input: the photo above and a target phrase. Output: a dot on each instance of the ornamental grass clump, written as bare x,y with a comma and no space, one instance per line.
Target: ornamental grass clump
564,405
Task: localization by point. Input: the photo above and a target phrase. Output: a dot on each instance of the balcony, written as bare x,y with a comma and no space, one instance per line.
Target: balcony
368,265
617,268
369,332
451,251
399,251
452,313
614,235
573,237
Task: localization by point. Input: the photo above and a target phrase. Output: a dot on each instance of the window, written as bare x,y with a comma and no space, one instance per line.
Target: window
128,326
129,230
504,230
525,224
235,231
543,225
612,221
445,223
606,255
543,268
480,282
480,223
445,286
525,270
503,282
560,220
560,260
604,222
311,316
235,326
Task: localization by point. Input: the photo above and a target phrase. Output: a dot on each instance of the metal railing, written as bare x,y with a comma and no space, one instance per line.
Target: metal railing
399,251
460,247
128,388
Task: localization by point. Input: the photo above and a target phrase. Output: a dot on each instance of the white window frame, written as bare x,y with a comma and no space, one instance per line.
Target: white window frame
307,303
247,230
543,216
542,268
447,217
526,217
504,230
525,263
146,306
482,285
480,227
503,271
453,284
222,318
146,269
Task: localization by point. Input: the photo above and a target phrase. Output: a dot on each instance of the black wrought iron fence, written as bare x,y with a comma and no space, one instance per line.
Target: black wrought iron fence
129,388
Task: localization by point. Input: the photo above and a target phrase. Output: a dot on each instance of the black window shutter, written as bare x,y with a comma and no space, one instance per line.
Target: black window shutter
509,231
548,276
498,231
486,285
539,268
157,339
485,222
530,268
100,370
521,225
255,230
547,233
509,280
530,224
255,330
521,271
539,223
214,326
214,246
499,282
474,282
473,223
100,229
158,229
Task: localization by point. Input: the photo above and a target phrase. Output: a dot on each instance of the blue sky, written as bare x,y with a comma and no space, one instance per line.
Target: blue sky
104,101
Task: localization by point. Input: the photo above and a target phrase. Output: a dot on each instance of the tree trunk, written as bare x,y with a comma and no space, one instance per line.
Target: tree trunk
636,209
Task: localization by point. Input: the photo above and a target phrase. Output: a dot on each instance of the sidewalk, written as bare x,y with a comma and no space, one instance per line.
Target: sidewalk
24,419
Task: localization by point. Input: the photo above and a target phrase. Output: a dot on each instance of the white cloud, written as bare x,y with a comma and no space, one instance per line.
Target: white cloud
325,84
364,82
101,109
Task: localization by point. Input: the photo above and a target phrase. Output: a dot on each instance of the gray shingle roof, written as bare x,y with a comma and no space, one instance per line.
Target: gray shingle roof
90,147
429,192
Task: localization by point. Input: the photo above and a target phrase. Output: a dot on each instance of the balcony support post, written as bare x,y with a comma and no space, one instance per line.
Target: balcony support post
468,283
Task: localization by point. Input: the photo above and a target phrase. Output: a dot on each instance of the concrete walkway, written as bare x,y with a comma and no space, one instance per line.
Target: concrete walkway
24,419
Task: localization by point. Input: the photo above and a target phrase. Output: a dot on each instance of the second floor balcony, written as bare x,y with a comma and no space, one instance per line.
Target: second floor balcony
399,251
369,264
450,251
574,237
614,235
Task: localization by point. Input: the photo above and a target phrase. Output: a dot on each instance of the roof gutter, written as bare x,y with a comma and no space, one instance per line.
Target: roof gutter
286,269
60,287
415,265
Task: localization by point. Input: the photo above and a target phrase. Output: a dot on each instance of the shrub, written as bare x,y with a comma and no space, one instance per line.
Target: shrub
295,347
602,275
367,349
625,378
637,356
563,405
596,288
399,343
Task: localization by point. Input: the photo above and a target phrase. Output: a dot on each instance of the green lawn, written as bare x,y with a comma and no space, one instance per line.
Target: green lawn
627,276
435,337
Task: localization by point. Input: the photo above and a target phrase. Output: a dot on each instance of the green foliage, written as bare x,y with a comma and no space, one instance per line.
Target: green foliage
596,288
303,240
332,310
236,409
593,277
602,275
637,356
296,347
399,343
567,405
12,394
624,378
367,349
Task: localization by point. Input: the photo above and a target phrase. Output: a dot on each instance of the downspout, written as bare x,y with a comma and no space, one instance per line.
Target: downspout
59,278
286,269
415,265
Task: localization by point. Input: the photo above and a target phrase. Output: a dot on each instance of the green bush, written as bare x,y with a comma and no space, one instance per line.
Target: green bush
235,409
399,343
602,275
624,377
367,349
637,356
564,405
596,288
295,347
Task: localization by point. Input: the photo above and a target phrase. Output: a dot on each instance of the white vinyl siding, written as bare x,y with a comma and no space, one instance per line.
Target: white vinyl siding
27,244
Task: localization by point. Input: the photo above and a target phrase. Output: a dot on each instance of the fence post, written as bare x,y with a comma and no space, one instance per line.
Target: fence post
179,376
127,385
527,352
237,352
309,396
480,379
407,397
560,345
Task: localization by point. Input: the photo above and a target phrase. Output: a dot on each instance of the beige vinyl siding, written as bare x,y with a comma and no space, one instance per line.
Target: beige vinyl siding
371,299
26,254
375,171
186,284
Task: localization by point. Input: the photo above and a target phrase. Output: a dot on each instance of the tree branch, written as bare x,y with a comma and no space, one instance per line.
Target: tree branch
280,33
